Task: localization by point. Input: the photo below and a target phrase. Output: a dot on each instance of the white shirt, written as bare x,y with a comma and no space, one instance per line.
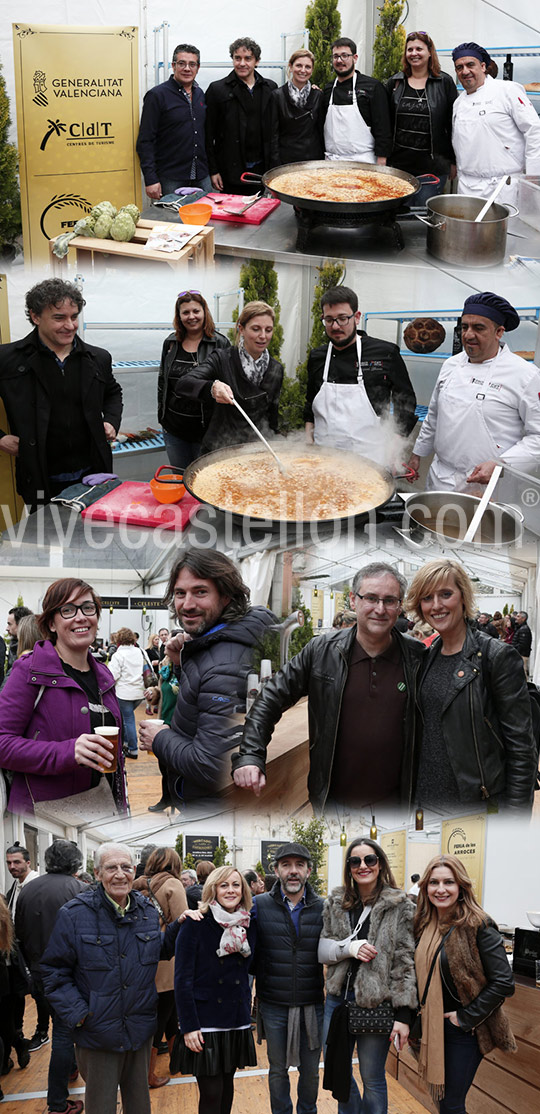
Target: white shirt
18,885
126,666
476,407
496,131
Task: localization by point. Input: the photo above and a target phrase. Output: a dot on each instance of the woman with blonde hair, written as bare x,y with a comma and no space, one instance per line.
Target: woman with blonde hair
294,114
161,884
463,979
247,373
28,633
213,997
477,738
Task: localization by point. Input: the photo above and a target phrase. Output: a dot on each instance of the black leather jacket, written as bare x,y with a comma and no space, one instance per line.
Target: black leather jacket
295,133
499,985
486,722
320,671
227,426
441,93
169,353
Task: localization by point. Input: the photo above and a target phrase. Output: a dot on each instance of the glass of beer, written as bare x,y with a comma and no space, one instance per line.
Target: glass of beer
112,735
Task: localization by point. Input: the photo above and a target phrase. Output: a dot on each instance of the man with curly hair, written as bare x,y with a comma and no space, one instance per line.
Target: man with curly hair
62,401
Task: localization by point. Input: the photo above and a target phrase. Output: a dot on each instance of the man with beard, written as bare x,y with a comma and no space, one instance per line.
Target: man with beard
236,136
355,111
212,657
353,381
289,979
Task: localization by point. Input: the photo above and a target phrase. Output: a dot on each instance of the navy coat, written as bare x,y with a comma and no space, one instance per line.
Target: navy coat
101,967
211,991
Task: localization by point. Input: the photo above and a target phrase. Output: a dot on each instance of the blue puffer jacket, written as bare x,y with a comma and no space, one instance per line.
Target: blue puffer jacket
102,967
209,715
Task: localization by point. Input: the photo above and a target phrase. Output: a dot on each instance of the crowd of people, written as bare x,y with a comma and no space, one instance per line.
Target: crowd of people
119,960
448,715
416,121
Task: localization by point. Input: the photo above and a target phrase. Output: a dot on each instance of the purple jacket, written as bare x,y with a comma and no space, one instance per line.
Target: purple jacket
37,743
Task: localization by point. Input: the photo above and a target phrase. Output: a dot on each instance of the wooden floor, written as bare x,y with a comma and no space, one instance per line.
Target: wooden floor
25,1091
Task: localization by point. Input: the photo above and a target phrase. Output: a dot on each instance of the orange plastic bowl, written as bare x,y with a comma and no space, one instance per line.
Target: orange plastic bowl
167,489
197,213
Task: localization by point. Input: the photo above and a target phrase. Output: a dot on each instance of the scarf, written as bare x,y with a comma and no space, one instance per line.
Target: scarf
235,925
254,370
299,97
431,1057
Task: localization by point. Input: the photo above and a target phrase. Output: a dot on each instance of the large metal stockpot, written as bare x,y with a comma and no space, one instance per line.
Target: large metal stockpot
447,514
454,237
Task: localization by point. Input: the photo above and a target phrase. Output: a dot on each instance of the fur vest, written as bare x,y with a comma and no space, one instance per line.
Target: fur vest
467,972
390,976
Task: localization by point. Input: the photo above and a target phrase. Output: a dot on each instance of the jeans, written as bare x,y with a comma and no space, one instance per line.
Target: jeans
275,1020
372,1049
180,452
462,1058
169,185
62,1064
129,730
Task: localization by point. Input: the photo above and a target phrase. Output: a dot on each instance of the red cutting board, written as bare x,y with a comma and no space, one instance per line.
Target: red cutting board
258,212
133,504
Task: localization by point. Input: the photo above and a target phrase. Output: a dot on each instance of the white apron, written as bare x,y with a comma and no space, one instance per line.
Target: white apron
462,435
346,134
344,417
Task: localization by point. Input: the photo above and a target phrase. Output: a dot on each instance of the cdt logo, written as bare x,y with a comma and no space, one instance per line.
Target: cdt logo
40,88
78,133
55,128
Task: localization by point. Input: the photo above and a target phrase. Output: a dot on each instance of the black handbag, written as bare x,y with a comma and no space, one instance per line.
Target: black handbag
370,1019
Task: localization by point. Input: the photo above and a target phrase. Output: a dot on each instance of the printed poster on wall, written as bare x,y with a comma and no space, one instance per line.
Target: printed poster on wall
394,845
465,837
77,96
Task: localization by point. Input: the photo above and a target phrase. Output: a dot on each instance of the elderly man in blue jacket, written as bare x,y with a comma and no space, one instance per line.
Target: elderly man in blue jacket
99,972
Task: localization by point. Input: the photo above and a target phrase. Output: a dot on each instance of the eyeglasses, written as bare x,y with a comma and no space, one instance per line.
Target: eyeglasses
341,57
369,860
341,319
390,603
186,65
69,610
126,868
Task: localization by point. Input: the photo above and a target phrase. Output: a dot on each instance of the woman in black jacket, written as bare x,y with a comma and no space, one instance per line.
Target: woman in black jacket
462,1017
247,373
477,740
213,996
293,115
184,420
421,97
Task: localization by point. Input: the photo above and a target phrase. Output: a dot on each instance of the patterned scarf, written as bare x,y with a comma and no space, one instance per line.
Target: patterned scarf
254,370
235,925
299,97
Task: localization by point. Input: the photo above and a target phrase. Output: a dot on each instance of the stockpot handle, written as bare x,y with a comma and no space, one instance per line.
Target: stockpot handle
429,222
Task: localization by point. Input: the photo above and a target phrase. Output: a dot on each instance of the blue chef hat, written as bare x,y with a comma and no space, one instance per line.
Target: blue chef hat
471,50
493,306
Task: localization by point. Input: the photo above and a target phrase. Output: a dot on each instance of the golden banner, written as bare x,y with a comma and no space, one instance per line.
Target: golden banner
465,837
394,845
10,503
77,96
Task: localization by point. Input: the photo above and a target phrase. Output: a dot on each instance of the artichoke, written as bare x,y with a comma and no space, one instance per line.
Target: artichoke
133,212
102,227
122,227
84,227
101,208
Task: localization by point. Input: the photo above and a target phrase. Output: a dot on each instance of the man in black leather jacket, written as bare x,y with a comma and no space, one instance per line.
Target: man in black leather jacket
361,689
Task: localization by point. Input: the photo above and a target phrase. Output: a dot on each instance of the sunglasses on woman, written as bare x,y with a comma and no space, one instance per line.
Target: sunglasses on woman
369,860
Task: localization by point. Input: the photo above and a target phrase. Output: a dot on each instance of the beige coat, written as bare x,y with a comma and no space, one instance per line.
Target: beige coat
171,895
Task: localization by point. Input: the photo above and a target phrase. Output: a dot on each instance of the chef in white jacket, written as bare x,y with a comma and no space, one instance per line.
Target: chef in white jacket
485,407
495,129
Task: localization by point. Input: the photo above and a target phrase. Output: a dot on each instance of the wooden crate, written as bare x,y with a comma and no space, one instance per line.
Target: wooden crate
87,249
